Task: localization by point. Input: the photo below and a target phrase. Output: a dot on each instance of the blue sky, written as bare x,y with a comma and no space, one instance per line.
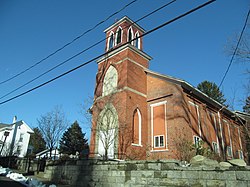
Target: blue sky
192,49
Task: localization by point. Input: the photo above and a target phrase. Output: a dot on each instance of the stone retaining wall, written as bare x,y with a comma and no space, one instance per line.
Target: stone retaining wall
145,173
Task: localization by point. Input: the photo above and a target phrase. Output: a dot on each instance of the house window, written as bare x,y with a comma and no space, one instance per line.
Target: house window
111,41
215,147
18,151
137,41
159,141
136,128
229,151
240,154
197,141
130,35
21,137
110,81
118,36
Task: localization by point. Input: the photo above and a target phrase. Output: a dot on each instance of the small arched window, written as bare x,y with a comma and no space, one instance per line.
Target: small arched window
110,81
137,42
136,139
130,35
118,35
111,41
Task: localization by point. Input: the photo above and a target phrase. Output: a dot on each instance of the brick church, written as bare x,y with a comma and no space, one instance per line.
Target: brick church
139,114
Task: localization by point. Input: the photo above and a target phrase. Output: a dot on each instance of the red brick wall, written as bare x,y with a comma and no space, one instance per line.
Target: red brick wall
182,119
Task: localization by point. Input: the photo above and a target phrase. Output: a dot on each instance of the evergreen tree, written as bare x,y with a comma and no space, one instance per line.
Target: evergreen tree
212,90
37,141
73,140
246,108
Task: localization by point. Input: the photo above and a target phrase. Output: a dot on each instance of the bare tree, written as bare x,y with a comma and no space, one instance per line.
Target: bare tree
52,125
184,149
243,52
8,150
107,130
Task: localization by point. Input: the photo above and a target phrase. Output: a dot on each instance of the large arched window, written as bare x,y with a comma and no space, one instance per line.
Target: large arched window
107,120
107,132
118,36
111,41
137,42
110,81
136,139
130,35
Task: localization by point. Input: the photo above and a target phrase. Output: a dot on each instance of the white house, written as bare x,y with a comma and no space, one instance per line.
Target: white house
55,154
14,138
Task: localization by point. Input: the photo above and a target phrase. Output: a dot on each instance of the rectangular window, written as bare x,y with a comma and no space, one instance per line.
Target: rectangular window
197,141
159,141
19,148
229,151
240,154
215,147
21,137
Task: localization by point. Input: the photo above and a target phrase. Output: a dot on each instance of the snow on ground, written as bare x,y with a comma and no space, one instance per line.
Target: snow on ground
29,182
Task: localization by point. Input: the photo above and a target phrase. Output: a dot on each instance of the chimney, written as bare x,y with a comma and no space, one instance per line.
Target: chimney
14,119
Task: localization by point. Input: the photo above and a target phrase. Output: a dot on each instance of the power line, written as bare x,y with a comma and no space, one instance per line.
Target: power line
74,56
235,50
69,43
88,62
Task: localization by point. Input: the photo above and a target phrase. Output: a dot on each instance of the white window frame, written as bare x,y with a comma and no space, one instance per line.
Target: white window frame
197,141
108,47
109,86
240,153
21,137
19,150
139,40
215,147
229,151
132,32
198,115
116,35
139,121
152,124
159,141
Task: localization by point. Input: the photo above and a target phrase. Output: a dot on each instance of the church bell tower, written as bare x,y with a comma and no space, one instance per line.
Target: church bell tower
119,111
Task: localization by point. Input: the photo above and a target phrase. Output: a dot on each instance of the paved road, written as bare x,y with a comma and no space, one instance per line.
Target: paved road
6,182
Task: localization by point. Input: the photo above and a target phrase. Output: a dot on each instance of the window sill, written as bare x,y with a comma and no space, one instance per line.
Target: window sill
163,150
137,145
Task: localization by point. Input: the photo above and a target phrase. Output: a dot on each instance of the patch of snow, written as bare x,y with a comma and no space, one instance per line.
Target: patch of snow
4,171
29,182
16,176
